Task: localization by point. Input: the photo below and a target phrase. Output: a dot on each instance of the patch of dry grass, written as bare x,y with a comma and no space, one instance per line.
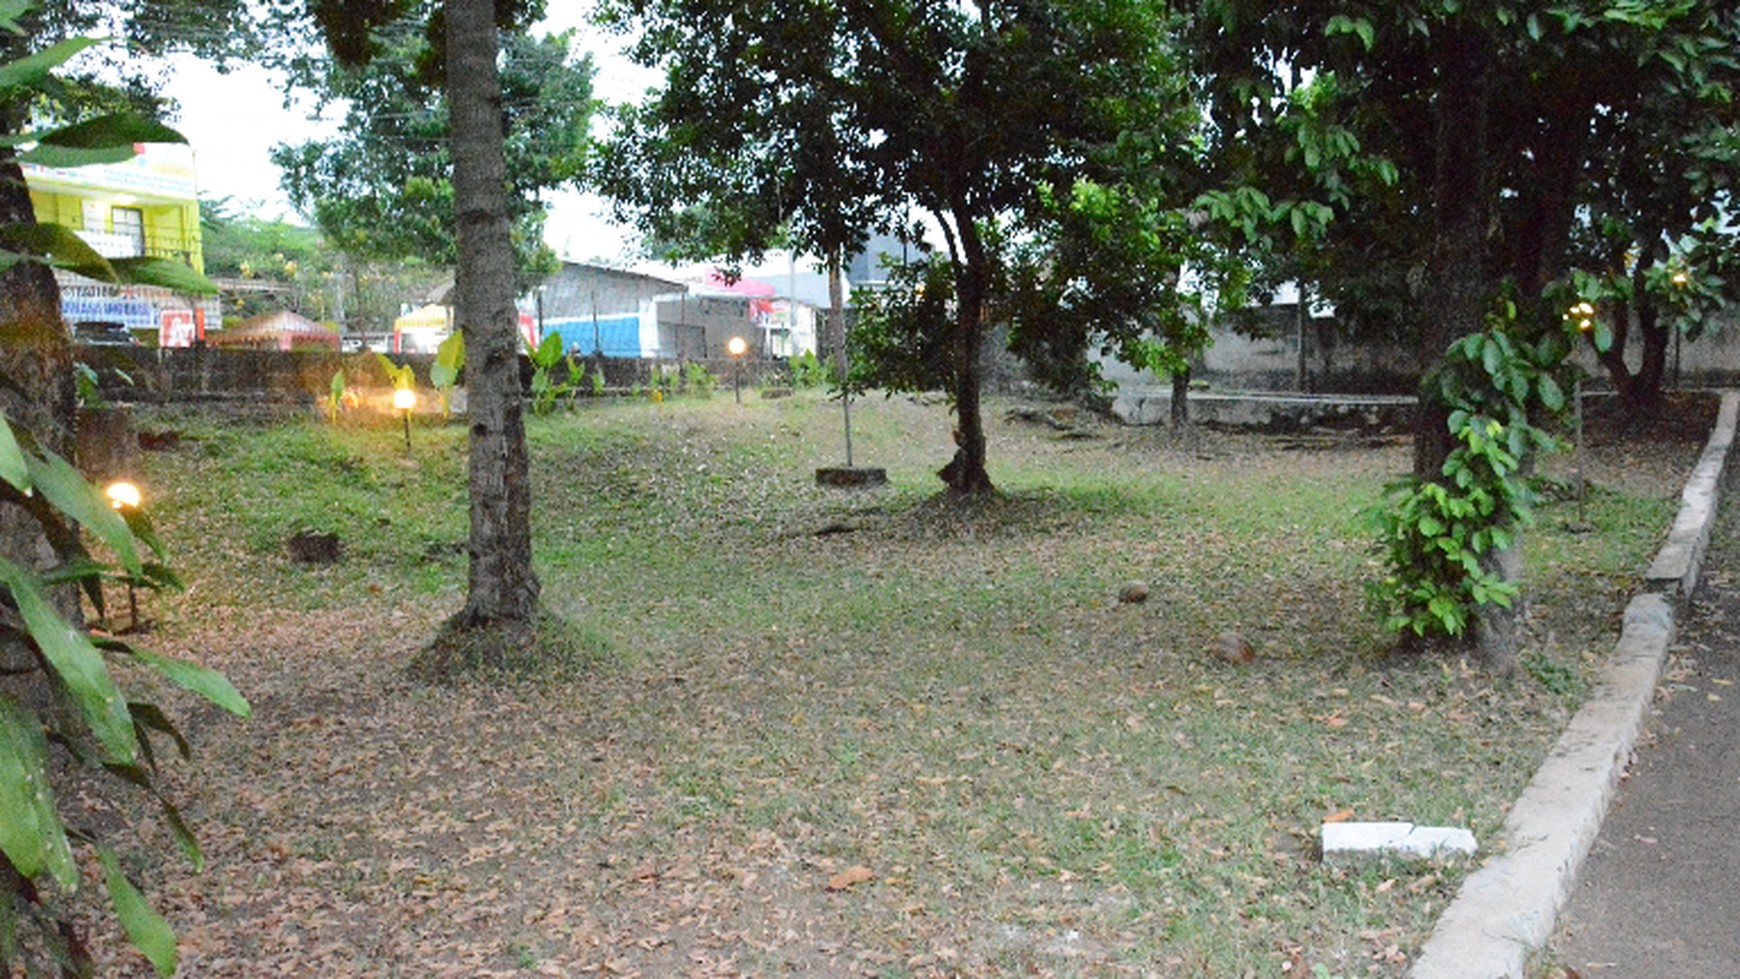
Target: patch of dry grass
1033,777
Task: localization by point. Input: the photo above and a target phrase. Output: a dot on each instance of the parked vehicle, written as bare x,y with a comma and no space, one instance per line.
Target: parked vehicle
103,333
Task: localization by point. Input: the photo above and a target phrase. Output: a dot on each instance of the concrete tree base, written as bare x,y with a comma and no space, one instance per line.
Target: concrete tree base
851,477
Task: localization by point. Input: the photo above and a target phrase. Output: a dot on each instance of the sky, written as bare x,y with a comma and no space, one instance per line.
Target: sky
233,120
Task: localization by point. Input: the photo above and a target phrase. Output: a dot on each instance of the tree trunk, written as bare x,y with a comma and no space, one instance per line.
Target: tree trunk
966,474
501,603
1458,291
36,359
1181,399
1643,395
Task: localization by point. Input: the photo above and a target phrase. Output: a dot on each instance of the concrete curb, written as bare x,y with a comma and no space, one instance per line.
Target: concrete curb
1507,908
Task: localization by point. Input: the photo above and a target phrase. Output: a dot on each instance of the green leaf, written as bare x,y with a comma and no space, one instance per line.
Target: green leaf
1343,24
12,465
73,157
150,717
26,72
77,662
165,272
146,928
65,488
1552,395
31,834
202,680
58,247
1491,356
10,13
119,129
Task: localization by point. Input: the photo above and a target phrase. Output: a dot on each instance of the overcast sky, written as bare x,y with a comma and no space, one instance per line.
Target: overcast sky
233,120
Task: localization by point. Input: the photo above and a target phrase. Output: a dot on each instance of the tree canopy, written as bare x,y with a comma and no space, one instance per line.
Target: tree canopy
383,187
999,124
1520,139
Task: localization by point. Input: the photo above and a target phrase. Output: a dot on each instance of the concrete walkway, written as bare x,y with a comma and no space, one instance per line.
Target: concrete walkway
1659,897
1506,911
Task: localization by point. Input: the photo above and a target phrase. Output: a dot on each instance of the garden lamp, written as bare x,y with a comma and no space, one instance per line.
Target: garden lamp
736,347
404,399
125,495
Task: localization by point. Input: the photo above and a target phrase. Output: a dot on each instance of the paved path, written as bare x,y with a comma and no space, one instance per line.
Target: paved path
1659,897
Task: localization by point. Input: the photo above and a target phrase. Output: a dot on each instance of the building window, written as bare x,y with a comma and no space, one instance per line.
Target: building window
129,225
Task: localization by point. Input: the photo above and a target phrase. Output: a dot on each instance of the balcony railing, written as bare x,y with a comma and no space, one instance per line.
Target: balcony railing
110,245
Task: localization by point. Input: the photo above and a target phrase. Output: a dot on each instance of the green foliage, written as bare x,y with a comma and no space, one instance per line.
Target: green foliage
402,376
546,357
698,380
382,188
104,139
103,726
902,340
808,371
818,125
335,395
445,373
1440,537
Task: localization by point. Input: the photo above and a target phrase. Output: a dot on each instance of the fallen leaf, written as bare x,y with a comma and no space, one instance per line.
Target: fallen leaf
1339,816
855,874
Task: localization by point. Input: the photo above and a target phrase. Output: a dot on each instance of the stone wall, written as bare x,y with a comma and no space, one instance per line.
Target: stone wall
293,380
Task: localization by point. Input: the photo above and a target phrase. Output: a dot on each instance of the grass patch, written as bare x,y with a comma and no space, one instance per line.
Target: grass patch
783,682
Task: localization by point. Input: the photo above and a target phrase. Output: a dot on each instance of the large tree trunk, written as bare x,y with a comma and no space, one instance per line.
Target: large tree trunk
36,359
1457,290
501,605
1643,394
1460,289
966,474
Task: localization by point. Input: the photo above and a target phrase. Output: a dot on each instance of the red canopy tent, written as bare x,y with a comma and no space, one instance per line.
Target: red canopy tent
280,330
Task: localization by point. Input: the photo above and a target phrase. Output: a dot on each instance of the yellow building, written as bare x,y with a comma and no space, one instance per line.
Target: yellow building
148,205
145,206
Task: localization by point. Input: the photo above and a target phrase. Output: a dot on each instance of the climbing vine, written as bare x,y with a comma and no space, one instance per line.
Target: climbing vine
1440,537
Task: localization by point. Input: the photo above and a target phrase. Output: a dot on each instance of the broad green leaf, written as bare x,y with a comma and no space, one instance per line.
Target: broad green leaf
27,71
151,717
202,680
168,273
146,928
77,662
31,834
120,129
449,360
1552,396
57,246
178,826
73,157
12,466
64,487
11,11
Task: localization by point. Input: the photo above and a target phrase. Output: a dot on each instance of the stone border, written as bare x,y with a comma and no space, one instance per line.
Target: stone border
1507,908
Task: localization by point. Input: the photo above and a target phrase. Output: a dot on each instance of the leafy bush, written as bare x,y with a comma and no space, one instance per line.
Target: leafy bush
1441,537
545,357
808,371
698,380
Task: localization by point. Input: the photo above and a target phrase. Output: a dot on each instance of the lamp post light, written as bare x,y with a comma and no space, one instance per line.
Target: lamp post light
736,347
1584,315
125,495
404,399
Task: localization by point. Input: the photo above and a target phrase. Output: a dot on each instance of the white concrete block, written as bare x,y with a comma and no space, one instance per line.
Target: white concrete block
1345,843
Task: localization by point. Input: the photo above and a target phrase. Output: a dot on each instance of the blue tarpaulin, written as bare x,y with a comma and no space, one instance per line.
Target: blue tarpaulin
619,336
